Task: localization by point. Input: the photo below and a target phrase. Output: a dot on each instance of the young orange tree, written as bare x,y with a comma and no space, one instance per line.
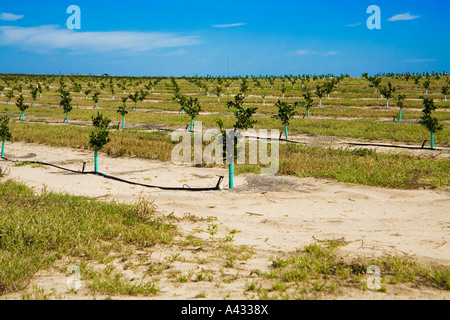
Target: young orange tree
65,101
387,92
122,110
99,137
428,121
307,103
95,98
286,112
445,91
244,121
5,134
400,103
22,107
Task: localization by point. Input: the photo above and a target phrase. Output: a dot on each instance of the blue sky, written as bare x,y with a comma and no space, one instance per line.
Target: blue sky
220,38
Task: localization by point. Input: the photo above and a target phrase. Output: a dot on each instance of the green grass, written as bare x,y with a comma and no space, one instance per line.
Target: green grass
369,127
114,283
391,170
37,230
360,166
319,269
149,145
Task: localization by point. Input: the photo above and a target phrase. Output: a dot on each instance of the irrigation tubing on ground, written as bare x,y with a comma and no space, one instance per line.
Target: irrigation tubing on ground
184,188
394,146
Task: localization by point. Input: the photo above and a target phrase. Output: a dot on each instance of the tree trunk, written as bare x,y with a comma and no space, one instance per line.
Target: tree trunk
231,176
3,148
96,161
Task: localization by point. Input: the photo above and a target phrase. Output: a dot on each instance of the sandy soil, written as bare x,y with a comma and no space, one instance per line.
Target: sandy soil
275,216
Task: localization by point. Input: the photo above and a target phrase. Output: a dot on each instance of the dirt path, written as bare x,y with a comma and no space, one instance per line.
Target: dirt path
273,214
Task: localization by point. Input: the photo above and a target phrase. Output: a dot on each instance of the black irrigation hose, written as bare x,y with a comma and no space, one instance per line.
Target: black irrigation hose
276,139
393,146
187,188
358,144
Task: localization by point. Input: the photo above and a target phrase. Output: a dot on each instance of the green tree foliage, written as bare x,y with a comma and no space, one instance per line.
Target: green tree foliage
444,91
401,101
22,107
243,115
244,87
65,101
218,91
426,84
99,137
34,91
388,92
95,97
320,92
122,110
5,133
308,101
427,120
286,112
190,105
10,95
375,82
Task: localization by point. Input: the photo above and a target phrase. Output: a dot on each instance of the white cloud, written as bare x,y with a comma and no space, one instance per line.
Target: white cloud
231,25
403,17
353,25
10,16
46,38
304,52
419,60
312,52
